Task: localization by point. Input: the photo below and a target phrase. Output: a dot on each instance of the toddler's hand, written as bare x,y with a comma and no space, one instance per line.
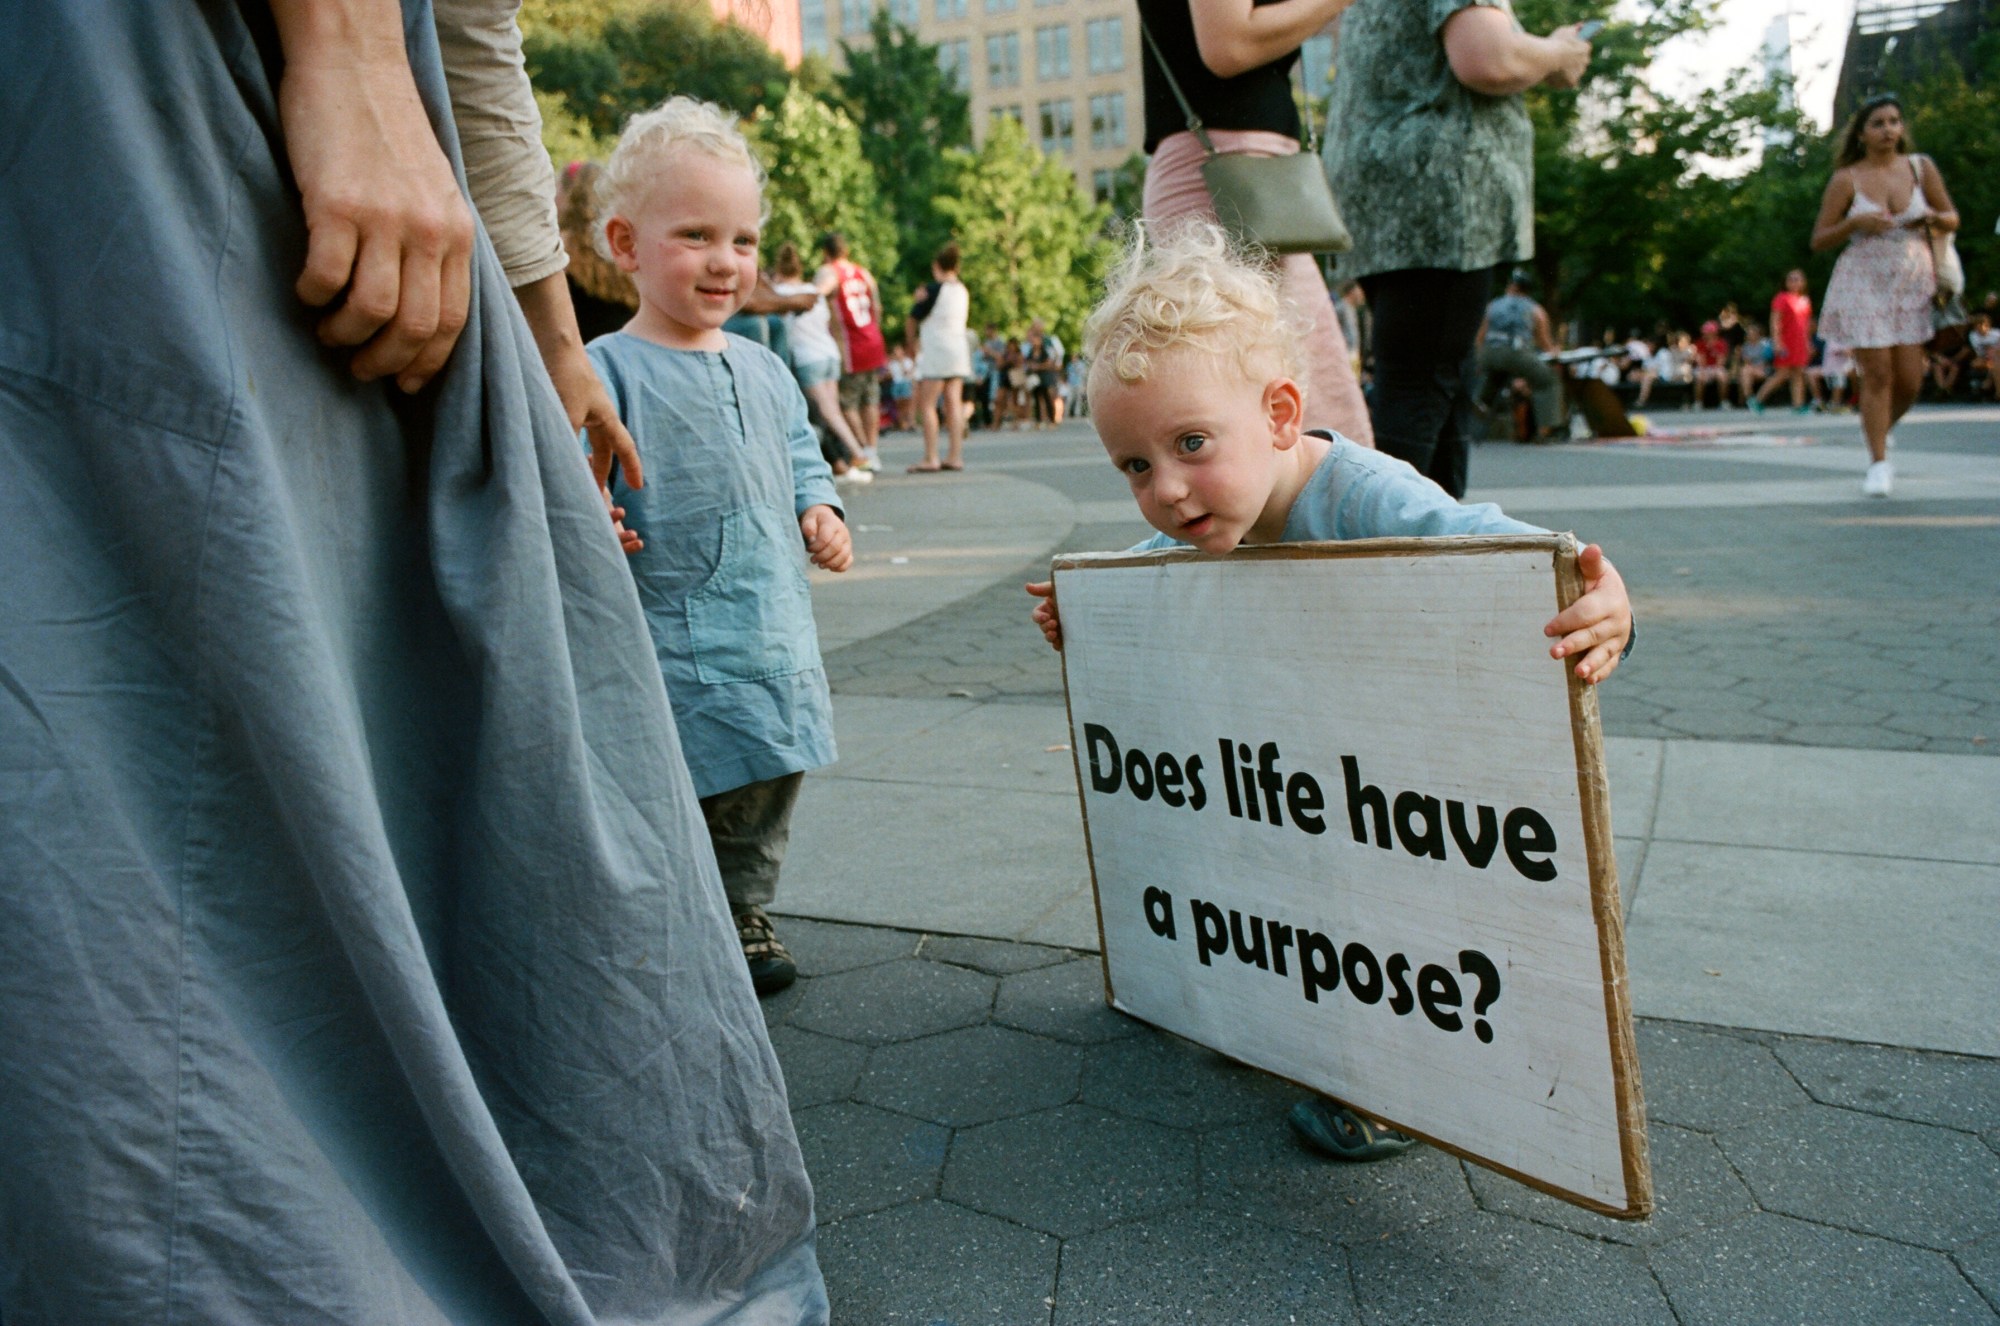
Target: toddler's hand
827,540
1045,614
1600,621
628,540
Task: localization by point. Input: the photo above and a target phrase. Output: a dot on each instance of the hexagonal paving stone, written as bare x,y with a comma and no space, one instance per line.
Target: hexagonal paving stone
995,957
1202,1267
1706,1080
1906,1181
1071,1170
1769,1268
778,1008
818,1069
895,1001
972,1076
1161,1077
1261,1171
864,1159
1064,1001
1949,1090
1693,1187
824,948
1495,1271
932,1262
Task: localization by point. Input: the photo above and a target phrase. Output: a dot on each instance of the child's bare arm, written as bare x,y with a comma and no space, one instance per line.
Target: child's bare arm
827,540
1599,624
1045,612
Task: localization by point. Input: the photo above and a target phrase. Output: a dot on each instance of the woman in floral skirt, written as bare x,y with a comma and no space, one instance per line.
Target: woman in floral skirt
1883,203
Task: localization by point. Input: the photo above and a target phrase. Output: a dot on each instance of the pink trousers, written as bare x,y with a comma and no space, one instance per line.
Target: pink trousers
1174,188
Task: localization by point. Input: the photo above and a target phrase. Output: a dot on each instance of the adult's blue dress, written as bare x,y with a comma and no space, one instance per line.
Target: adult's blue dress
362,957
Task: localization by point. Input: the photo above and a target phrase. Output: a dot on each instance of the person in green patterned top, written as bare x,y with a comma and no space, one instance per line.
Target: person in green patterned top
1432,155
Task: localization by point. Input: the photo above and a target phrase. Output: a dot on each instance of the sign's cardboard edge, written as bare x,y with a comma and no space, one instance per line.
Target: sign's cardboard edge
1606,903
1319,550
1594,795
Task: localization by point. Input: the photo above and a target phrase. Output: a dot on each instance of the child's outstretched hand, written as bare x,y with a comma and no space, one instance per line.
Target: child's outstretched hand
1598,624
1045,611
827,540
628,539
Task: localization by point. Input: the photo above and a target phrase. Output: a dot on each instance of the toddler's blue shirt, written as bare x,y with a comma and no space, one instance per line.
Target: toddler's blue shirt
1359,493
731,463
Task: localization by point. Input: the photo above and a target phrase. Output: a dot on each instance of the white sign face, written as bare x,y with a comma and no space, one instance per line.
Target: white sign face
1347,823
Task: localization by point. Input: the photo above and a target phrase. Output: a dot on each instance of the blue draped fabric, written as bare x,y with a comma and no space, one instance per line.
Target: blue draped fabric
362,955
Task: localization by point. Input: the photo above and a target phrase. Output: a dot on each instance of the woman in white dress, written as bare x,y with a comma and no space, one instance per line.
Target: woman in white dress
944,361
1883,203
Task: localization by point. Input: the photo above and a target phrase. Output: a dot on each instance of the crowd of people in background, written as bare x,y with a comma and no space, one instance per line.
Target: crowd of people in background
1734,362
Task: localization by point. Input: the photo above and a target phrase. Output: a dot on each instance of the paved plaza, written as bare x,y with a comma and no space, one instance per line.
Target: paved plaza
1805,808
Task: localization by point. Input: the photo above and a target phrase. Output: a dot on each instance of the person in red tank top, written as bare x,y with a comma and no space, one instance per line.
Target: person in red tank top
857,327
1791,335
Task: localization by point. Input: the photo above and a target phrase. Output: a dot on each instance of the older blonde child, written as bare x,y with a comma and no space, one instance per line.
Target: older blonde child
737,498
1195,392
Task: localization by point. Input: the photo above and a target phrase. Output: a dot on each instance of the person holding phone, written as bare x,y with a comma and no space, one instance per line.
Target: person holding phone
1431,149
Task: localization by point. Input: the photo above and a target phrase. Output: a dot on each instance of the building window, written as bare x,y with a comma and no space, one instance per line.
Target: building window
1107,120
1052,52
1004,113
948,10
854,16
904,12
1058,126
1044,4
1003,59
1002,6
955,58
1106,39
1103,183
812,27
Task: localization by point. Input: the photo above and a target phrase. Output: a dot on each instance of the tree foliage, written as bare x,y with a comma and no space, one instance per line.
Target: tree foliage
820,181
910,114
1641,213
1034,245
641,55
565,136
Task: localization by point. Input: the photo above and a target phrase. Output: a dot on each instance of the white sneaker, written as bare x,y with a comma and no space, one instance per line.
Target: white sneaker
1878,479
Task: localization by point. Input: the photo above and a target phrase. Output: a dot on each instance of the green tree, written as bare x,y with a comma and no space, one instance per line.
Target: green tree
910,113
564,134
1128,188
820,181
641,56
1034,245
1633,220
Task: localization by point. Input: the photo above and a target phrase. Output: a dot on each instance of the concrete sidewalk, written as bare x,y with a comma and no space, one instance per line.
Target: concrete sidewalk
1811,940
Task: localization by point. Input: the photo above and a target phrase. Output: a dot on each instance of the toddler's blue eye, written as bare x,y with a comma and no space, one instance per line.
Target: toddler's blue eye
1190,443
1136,465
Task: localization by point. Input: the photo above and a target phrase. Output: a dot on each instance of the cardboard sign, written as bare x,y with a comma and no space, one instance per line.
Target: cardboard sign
1348,823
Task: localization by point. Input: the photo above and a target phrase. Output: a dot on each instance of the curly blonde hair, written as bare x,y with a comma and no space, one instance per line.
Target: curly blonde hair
650,141
592,270
1189,285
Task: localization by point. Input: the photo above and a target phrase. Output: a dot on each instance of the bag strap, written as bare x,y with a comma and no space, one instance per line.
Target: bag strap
1194,124
1187,109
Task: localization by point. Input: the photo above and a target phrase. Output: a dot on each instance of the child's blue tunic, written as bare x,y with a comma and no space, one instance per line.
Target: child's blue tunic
731,464
1358,493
